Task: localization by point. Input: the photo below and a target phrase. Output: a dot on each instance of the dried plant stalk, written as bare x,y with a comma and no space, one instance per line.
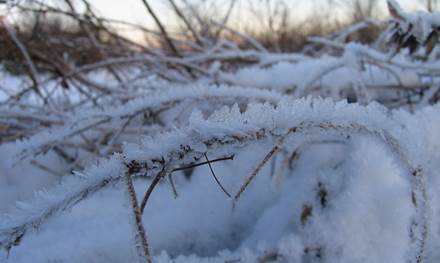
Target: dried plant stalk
260,165
141,239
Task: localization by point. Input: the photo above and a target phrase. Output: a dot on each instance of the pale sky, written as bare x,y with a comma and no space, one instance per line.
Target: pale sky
134,11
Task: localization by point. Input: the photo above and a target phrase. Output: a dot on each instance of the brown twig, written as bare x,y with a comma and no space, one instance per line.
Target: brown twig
45,168
162,29
173,185
215,177
150,189
141,239
260,165
163,173
225,19
33,74
203,163
187,23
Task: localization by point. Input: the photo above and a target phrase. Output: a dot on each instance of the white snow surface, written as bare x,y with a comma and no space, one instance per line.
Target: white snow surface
366,217
332,181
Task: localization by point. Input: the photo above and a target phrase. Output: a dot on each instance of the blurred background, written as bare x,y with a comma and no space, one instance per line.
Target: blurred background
69,53
280,25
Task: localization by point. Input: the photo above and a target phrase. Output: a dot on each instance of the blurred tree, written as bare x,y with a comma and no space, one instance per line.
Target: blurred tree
358,10
431,5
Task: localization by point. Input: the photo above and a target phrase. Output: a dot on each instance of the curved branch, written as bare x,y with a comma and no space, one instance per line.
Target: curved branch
226,131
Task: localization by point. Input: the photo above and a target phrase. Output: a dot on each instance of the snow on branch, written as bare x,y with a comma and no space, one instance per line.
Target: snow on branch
152,102
225,132
358,180
414,29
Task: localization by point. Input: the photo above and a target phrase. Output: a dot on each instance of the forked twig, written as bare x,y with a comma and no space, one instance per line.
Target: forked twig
164,173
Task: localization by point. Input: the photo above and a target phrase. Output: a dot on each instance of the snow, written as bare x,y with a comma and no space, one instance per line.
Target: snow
332,74
420,23
87,119
372,199
337,182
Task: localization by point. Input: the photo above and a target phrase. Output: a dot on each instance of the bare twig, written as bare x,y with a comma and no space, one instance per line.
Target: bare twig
254,43
187,23
225,19
45,168
203,163
173,185
32,69
150,189
141,239
260,165
162,29
215,177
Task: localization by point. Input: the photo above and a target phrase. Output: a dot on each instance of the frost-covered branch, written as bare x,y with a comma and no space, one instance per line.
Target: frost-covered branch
226,131
156,102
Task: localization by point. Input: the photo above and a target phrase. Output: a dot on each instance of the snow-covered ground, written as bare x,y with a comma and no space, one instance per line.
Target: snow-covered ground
293,158
342,188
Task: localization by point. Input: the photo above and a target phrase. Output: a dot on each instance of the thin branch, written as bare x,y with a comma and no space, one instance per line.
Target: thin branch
150,189
45,168
225,19
173,185
266,158
163,173
253,42
215,177
162,29
141,239
32,69
187,23
203,163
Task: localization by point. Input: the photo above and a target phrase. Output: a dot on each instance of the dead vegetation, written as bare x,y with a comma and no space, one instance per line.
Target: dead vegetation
57,51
